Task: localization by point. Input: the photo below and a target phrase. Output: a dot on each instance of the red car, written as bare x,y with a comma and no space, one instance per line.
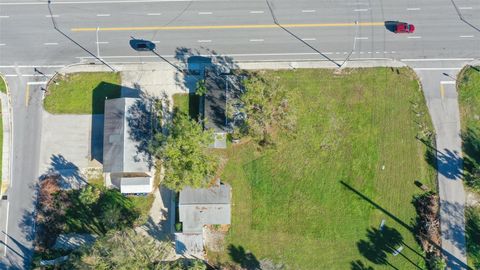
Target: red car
402,27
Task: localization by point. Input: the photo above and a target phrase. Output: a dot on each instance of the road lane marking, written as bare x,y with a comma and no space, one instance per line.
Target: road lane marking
257,12
413,9
27,95
11,75
2,44
463,8
469,36
4,16
309,39
309,10
414,37
361,38
257,40
33,66
154,14
37,75
204,40
88,2
205,13
361,9
435,59
37,83
52,16
156,41
102,42
50,43
103,15
377,52
211,27
447,82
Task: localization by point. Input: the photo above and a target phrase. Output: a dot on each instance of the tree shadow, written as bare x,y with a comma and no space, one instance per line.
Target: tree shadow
472,229
471,157
447,162
245,258
453,261
69,175
359,265
140,121
102,92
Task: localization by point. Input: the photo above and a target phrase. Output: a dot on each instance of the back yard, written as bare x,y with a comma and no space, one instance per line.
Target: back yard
316,201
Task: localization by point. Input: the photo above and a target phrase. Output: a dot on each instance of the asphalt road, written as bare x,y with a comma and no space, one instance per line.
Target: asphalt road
242,29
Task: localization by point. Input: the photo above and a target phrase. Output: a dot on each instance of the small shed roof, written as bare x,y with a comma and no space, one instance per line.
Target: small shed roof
189,244
130,185
198,207
124,138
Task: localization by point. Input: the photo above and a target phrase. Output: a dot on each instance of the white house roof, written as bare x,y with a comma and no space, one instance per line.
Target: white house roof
129,185
125,133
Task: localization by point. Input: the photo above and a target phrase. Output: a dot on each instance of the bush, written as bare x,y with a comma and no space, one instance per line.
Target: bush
178,226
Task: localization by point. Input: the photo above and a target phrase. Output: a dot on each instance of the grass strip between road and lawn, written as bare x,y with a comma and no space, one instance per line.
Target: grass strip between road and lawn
3,85
359,128
82,92
469,101
3,89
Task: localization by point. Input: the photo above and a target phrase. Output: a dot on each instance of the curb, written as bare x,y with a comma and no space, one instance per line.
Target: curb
7,174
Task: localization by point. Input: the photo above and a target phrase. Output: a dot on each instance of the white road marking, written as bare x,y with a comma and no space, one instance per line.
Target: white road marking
88,2
205,13
361,52
309,10
50,43
361,9
308,39
204,40
451,68
393,51
465,8
256,40
2,44
4,16
33,66
154,14
103,15
470,36
327,53
435,59
361,38
447,82
413,9
11,75
37,83
156,41
52,16
102,42
37,75
369,52
345,52
414,37
257,12
377,52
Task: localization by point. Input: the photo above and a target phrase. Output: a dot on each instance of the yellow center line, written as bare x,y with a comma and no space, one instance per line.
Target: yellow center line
211,27
27,95
442,91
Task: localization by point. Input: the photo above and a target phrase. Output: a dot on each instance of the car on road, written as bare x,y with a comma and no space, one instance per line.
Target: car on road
403,27
142,45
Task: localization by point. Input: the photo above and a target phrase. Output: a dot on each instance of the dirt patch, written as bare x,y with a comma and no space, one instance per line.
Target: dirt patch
214,236
428,223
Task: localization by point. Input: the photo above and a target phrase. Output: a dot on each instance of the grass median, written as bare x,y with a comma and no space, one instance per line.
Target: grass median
317,201
82,93
469,100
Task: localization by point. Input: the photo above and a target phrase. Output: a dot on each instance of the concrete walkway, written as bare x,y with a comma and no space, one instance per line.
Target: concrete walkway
441,96
7,141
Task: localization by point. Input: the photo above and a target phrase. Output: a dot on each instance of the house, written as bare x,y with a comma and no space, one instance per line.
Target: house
127,128
215,104
197,208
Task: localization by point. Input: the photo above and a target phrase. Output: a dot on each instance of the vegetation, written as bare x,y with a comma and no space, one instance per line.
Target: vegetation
265,102
188,104
82,93
3,86
1,145
313,199
184,153
472,229
469,99
200,88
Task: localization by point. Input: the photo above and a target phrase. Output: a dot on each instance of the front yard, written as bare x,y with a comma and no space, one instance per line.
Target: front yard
316,201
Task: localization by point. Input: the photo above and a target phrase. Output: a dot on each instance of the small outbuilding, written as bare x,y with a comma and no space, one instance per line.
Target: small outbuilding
126,163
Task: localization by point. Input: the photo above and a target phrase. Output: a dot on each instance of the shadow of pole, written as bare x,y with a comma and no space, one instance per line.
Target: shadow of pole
72,40
405,225
170,63
461,17
298,38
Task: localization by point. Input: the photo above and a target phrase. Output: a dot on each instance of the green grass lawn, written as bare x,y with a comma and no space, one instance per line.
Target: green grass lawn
289,204
82,93
187,103
3,86
469,99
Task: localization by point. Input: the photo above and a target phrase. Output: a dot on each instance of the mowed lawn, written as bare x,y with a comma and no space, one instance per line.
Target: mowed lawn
469,100
82,93
289,204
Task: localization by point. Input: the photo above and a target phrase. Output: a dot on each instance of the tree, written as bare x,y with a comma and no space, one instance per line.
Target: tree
184,153
266,105
89,195
121,250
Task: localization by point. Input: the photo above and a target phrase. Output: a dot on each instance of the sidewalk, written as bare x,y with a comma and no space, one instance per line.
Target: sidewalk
7,141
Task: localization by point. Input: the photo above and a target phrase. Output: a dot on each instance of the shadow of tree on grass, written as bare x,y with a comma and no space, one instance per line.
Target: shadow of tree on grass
245,258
